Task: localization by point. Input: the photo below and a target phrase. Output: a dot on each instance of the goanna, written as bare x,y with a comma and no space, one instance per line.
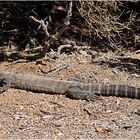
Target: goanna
72,89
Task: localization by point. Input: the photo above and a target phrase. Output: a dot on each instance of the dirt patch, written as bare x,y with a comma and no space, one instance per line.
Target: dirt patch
26,114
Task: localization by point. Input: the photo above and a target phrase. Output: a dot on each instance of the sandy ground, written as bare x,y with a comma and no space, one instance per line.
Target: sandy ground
28,115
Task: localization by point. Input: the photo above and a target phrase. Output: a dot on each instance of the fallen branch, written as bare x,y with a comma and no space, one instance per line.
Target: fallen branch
50,39
40,52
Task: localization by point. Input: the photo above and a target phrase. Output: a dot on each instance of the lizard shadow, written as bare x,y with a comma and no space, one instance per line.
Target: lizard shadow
1,58
130,65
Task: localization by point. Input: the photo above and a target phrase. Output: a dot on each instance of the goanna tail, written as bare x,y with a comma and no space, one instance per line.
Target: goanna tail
118,90
90,91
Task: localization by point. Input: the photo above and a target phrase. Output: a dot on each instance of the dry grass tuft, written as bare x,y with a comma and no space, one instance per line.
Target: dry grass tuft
107,22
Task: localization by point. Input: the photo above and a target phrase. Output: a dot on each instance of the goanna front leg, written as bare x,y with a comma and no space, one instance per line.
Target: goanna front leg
78,93
5,83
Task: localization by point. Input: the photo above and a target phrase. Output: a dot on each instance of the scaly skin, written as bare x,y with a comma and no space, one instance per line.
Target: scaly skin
72,89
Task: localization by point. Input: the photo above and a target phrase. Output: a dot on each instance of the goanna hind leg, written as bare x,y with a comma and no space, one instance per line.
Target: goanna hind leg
77,93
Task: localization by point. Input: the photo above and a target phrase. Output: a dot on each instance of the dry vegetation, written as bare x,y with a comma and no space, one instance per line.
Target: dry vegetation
112,22
36,27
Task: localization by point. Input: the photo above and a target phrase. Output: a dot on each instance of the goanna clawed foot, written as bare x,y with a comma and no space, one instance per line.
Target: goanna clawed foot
76,93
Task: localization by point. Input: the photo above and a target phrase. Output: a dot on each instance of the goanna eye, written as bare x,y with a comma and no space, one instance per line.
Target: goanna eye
2,82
